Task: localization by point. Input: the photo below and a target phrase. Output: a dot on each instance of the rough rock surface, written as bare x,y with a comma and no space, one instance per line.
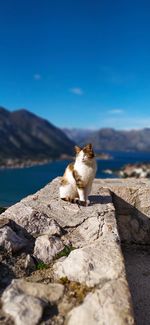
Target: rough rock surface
131,201
47,247
89,264
30,263
51,292
105,306
92,264
33,221
21,306
10,240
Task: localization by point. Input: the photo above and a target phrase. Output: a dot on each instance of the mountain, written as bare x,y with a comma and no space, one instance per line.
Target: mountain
23,135
113,140
110,139
79,136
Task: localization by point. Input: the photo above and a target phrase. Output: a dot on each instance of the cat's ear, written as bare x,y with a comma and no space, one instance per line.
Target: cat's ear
89,146
88,149
77,149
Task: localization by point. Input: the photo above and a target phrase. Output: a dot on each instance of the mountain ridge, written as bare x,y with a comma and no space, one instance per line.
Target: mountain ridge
24,135
110,139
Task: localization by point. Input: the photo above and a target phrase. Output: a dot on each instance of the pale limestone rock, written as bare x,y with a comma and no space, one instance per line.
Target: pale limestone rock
65,213
132,204
52,292
19,213
92,264
21,307
34,222
4,222
99,260
108,305
46,247
30,263
10,240
25,301
24,309
90,230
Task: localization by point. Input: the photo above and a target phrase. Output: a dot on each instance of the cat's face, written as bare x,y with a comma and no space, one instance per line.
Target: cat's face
85,154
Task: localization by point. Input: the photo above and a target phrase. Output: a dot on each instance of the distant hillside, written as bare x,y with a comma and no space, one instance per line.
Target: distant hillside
113,140
24,135
79,136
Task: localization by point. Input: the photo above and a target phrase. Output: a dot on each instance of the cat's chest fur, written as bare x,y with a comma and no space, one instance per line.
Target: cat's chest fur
85,171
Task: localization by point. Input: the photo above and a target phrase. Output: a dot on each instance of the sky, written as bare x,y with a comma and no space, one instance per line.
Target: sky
77,63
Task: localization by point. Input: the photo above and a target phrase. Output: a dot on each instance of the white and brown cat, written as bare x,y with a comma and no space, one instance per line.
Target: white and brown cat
77,180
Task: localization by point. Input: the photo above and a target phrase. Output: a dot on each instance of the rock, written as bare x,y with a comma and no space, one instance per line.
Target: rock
4,221
96,261
22,307
46,247
92,264
108,305
10,240
41,224
101,225
64,213
25,301
51,292
88,231
30,263
34,222
131,201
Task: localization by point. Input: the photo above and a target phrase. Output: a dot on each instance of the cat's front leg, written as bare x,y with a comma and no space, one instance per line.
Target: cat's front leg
83,198
80,187
81,193
87,192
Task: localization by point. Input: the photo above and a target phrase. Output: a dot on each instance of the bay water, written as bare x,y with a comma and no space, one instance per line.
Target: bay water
18,183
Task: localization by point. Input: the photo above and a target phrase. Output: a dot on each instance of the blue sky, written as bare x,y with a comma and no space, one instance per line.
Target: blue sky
77,63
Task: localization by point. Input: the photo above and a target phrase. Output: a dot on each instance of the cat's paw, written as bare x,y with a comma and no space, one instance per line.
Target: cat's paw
85,203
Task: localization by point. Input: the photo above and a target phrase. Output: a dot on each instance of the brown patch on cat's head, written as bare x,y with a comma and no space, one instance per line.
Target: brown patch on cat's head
88,150
77,149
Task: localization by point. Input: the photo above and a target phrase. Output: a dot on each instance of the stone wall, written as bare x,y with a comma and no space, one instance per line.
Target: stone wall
68,259
131,199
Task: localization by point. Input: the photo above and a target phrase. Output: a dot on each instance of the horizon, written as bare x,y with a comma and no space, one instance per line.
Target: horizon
72,128
77,64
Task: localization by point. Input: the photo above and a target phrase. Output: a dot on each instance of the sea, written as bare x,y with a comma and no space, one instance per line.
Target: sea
20,182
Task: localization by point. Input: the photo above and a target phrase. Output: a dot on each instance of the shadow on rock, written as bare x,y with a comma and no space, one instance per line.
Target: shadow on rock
24,234
50,311
100,199
6,275
134,231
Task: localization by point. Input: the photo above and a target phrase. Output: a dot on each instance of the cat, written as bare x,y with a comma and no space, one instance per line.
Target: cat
77,180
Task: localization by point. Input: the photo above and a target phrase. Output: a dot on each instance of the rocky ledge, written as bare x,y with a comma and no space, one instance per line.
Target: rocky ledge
62,263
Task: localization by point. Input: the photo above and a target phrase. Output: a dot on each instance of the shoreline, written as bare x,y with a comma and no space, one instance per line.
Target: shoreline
10,164
25,164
